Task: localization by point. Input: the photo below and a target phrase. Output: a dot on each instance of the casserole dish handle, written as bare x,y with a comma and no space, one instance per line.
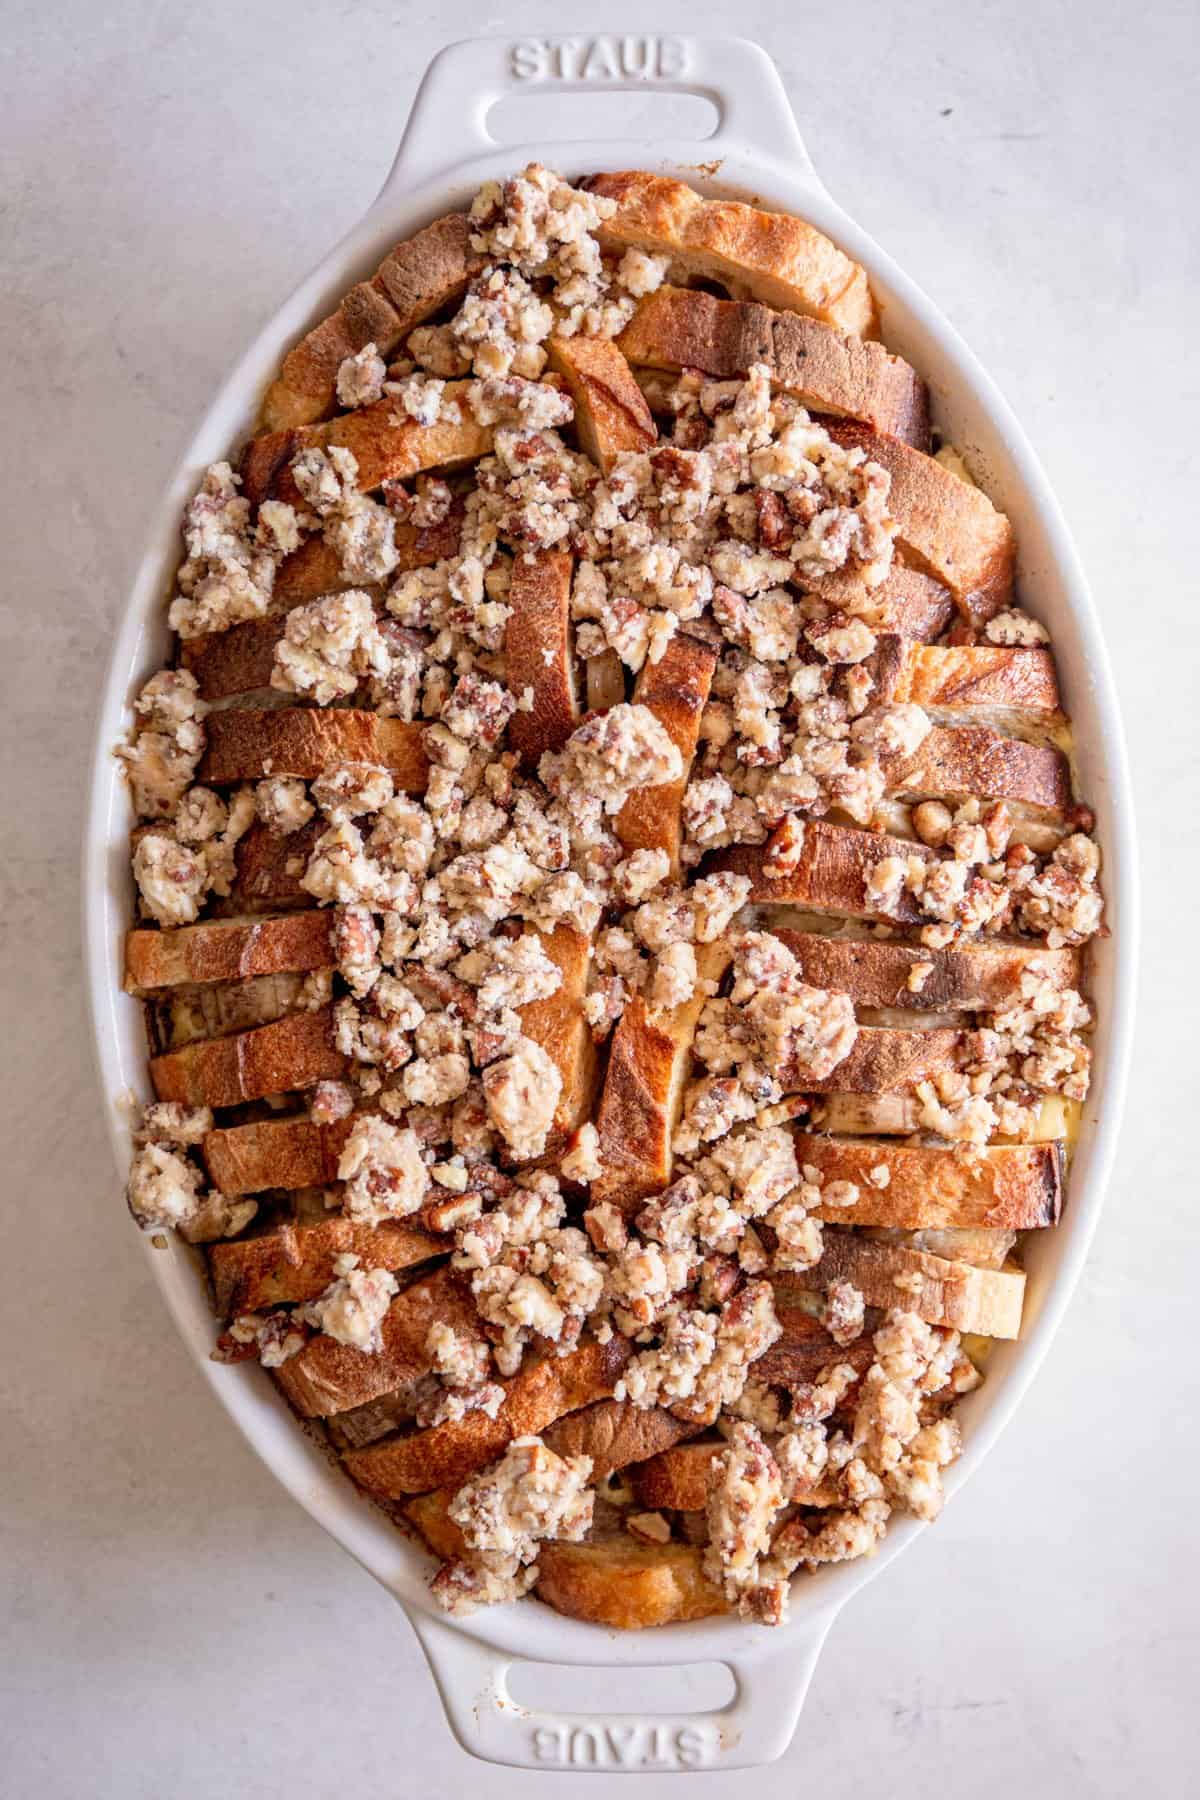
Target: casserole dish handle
754,1728
448,124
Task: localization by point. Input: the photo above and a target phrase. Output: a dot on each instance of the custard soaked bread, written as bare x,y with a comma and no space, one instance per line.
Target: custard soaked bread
612,905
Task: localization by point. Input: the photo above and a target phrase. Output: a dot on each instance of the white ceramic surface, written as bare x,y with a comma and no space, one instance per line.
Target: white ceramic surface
444,155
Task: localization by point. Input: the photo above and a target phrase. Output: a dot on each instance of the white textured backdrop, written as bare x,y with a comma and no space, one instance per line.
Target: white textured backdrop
169,1622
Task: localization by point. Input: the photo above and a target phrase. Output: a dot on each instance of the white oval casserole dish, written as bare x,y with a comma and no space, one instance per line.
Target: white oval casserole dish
757,154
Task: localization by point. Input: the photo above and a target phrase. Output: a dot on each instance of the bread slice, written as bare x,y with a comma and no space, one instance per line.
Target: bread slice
328,1377
178,1016
642,1096
901,1114
558,1025
955,1294
244,744
756,255
965,977
991,678
430,1514
829,873
296,1262
292,1052
881,1060
947,528
680,1480
611,414
539,653
286,1153
268,867
1017,1187
445,1455
804,1348
417,279
615,1581
676,690
906,603
240,659
824,368
615,1433
955,762
228,950
610,1579
387,443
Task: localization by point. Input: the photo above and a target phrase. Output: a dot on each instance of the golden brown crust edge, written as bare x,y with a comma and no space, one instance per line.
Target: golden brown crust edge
296,1262
776,258
539,621
956,1294
246,743
228,950
826,369
444,1455
294,1052
417,278
611,414
1016,1187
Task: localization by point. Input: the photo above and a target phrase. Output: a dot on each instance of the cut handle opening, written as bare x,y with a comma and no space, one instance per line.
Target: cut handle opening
683,1688
558,116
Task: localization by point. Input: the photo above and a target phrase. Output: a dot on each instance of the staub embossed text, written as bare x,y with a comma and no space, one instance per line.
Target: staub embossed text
599,59
624,1746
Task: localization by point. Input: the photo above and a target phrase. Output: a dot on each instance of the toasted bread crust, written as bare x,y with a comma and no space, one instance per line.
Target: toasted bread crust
535,1397
615,1433
293,1052
826,369
274,1153
417,279
241,659
244,744
269,866
948,528
987,1301
296,1262
327,1377
676,690
617,1582
430,1514
539,653
677,1479
955,762
228,950
830,875
608,1580
883,1059
804,1348
386,442
611,414
960,677
558,1025
968,977
908,603
643,1089
772,257
1017,1187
